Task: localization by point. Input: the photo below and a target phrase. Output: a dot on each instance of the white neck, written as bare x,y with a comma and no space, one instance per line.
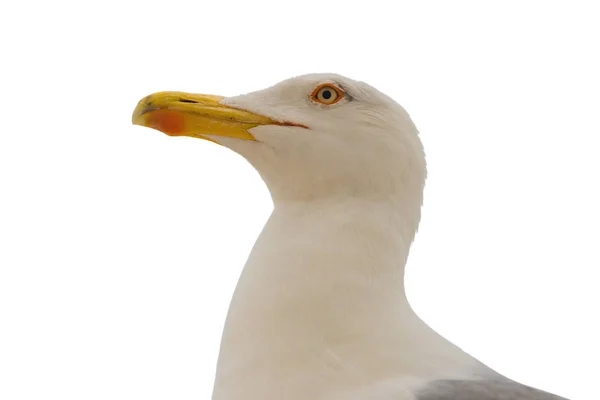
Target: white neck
321,304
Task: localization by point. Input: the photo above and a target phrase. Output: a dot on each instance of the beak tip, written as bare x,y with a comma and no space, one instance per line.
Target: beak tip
138,115
137,112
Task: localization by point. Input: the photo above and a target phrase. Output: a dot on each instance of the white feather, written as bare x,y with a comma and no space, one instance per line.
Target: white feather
320,310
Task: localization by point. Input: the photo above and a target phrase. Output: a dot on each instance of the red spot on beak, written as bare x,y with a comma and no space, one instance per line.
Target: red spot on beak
169,122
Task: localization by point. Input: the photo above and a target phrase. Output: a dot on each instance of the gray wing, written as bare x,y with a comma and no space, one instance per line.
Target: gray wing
481,390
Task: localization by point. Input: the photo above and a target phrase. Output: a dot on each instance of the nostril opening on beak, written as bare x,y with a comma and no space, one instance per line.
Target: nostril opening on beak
188,101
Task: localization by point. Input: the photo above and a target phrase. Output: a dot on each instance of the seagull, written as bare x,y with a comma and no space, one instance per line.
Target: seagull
320,311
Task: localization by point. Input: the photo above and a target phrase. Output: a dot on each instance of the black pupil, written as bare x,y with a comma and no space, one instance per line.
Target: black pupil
326,94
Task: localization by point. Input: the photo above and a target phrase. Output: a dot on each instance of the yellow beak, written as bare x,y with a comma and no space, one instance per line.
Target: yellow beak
184,114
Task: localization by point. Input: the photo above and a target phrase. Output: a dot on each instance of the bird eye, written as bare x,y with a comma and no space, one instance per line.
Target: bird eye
327,94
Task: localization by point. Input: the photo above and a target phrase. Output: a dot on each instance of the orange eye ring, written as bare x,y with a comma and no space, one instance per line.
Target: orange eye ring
327,94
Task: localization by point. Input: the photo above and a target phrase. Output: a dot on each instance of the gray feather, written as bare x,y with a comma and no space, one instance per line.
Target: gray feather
481,390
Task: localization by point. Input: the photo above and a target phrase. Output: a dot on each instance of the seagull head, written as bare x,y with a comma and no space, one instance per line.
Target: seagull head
312,137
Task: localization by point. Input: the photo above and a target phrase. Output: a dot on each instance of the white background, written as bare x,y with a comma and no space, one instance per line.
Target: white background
120,247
